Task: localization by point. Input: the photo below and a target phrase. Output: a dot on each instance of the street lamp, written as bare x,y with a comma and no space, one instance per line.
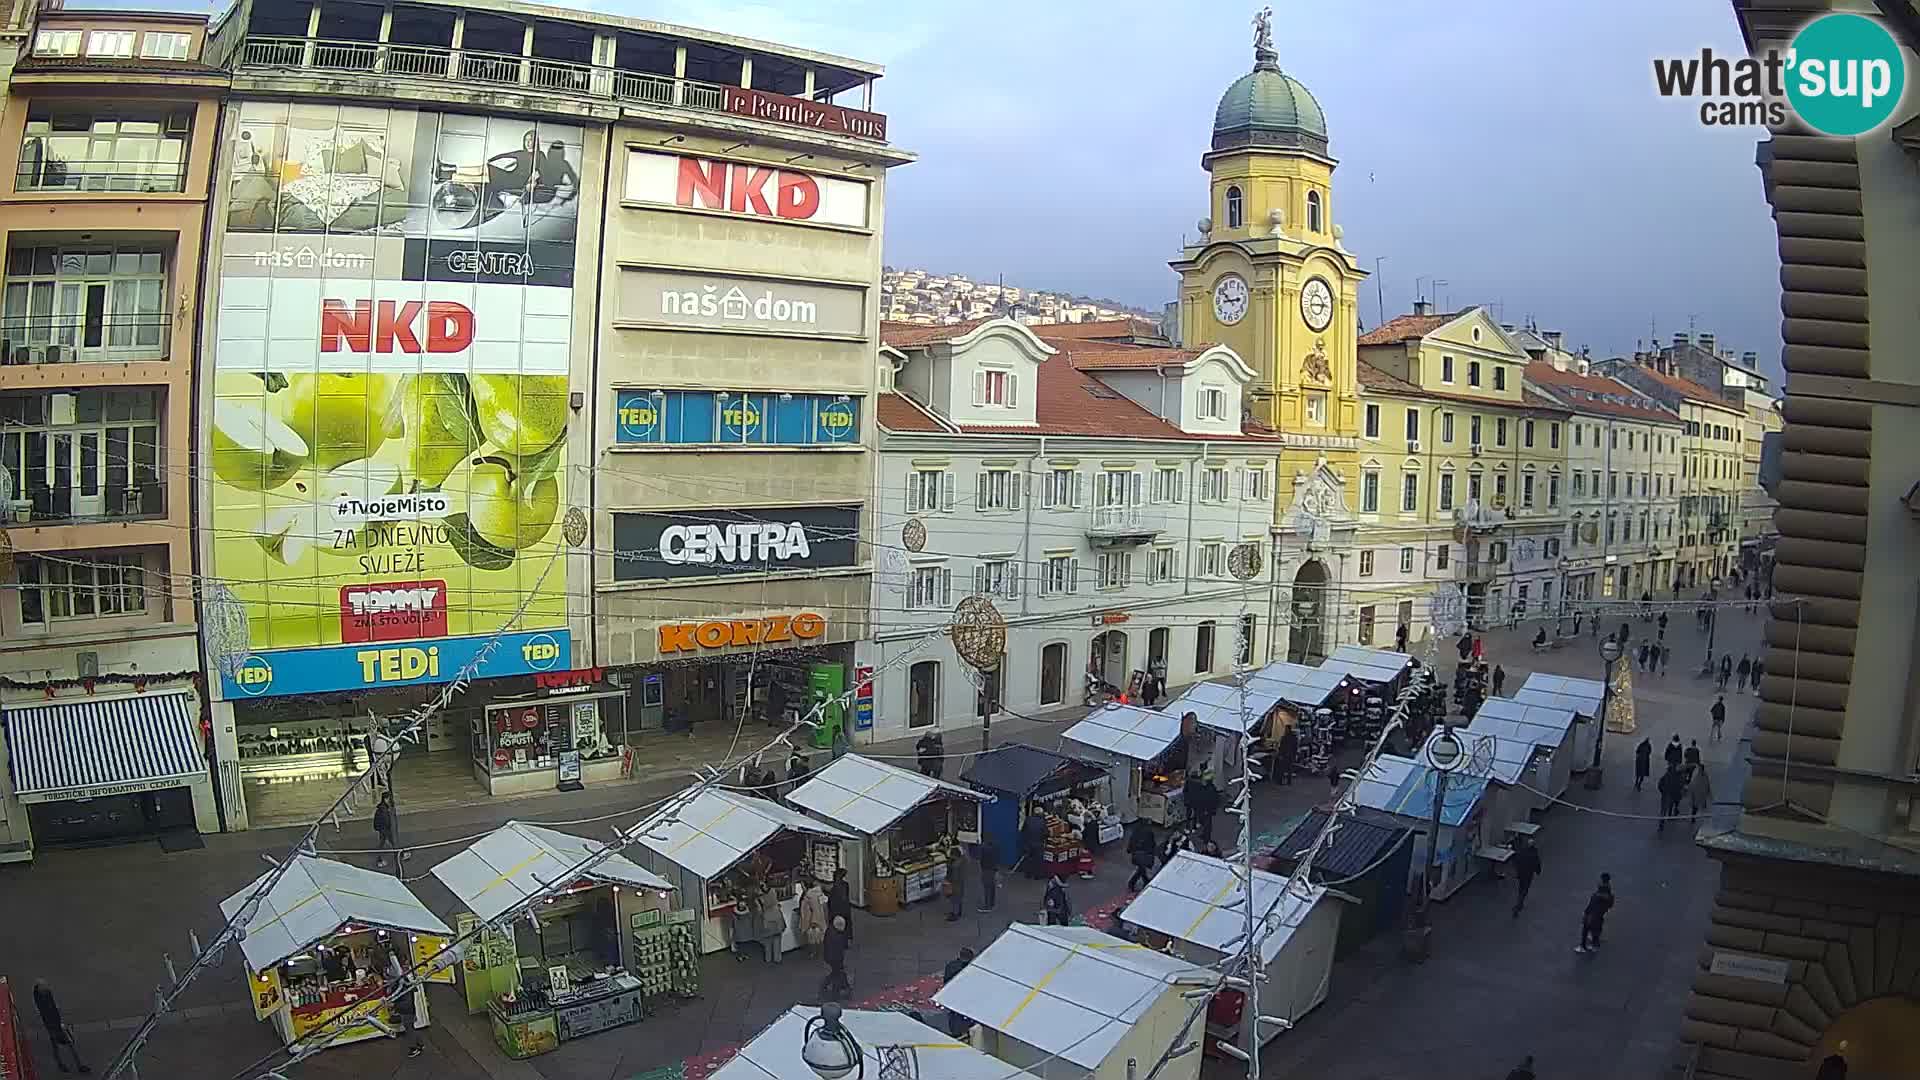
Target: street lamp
829,1048
1610,651
1713,618
1444,753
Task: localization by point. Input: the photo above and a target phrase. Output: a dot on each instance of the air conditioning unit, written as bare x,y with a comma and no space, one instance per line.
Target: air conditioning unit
1475,449
1413,446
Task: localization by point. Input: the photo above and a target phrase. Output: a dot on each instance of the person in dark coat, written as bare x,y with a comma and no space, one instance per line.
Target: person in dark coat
1594,918
836,985
1662,622
1526,867
1726,671
1642,762
58,1033
1759,669
926,753
1522,1071
840,900
1141,849
1284,755
1059,908
988,856
1745,669
1464,647
1499,680
384,828
797,772
1203,802
957,1025
1674,753
1673,784
1719,715
1033,845
956,882
1400,638
1691,758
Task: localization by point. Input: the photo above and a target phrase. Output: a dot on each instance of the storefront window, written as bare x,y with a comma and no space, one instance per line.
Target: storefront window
519,736
1053,673
923,692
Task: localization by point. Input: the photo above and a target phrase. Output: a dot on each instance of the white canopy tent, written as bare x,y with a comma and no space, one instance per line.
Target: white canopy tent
317,898
1583,697
1511,765
1379,666
1298,684
1129,738
1217,707
1547,726
1400,792
1195,900
520,860
774,1054
871,797
1076,1002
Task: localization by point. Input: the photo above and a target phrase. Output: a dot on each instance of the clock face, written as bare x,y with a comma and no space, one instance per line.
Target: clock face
1316,304
1230,299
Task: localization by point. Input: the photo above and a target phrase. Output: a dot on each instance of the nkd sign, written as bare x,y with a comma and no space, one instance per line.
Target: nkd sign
711,302
715,541
747,189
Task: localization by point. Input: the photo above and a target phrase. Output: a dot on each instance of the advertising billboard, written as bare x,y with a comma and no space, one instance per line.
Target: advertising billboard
721,418
704,543
744,188
389,422
713,302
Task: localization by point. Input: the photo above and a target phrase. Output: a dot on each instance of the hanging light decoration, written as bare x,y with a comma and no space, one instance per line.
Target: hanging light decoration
225,618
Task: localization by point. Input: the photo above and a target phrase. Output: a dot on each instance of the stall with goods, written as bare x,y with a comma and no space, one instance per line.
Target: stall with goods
1399,792
1195,908
1582,697
1506,764
323,945
907,826
1028,782
573,970
1376,677
727,853
1222,713
1147,751
1073,1003
1312,704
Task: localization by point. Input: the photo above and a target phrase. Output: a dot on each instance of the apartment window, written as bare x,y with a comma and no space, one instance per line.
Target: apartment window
1526,433
1446,368
1060,489
1442,555
1203,647
1060,575
997,577
1446,491
1526,490
1473,430
1162,563
163,46
1499,377
1595,486
1370,491
1446,427
997,489
1409,492
1249,627
996,387
1236,208
1254,484
1553,436
1576,435
1213,403
81,147
930,588
89,453
1473,487
1500,489
1553,490
1613,438
1500,431
1473,373
110,43
929,490
1116,569
1406,560
1373,421
1169,485
1316,407
57,43
1366,624
1213,485
80,587
1313,211
1213,559
1413,424
1117,488
1497,551
92,303
1611,523
1366,563
1629,485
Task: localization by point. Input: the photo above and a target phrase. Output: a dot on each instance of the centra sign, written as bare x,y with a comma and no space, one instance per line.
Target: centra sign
756,542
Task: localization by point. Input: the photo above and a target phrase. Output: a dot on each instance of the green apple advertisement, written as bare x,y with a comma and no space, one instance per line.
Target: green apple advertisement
388,430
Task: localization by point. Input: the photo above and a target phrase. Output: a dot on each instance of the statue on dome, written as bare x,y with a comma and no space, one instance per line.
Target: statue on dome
1263,30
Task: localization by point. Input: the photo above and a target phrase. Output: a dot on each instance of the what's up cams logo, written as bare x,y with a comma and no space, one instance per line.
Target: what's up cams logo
1842,75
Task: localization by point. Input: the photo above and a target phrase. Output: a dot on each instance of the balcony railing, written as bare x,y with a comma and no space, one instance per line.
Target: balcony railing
73,506
78,339
141,177
1124,524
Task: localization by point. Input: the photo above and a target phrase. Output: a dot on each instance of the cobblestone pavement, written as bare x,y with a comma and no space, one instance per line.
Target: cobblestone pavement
96,922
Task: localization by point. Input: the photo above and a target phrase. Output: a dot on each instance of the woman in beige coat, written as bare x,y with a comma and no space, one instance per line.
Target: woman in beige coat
812,916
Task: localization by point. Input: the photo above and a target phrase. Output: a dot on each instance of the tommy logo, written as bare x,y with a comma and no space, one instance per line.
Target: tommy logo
395,611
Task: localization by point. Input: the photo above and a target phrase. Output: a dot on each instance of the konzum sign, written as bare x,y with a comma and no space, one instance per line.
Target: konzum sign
732,633
748,189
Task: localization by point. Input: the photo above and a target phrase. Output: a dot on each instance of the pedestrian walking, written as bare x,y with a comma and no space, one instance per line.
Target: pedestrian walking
836,985
380,760
1719,714
1745,669
1526,867
1692,756
925,754
1284,756
1673,784
840,900
1033,845
1666,656
956,885
1645,651
1642,762
812,915
386,830
1594,918
405,1015
797,772
1400,638
1203,802
1674,753
1726,671
1576,624
1464,647
773,926
1662,623
1141,848
1699,791
746,924
1499,680
840,744
1626,635
1056,904
1522,1071
957,1025
1759,669
988,856
58,1033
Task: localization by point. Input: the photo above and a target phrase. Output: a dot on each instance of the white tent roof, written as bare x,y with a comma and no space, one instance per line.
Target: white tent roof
519,860
1372,665
1544,724
1300,684
1560,691
774,1054
870,796
1194,898
719,828
1495,753
1069,991
314,899
1217,705
1127,730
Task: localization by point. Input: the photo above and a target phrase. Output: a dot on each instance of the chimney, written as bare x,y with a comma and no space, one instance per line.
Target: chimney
1553,339
1706,342
1508,327
1751,359
1422,307
1679,340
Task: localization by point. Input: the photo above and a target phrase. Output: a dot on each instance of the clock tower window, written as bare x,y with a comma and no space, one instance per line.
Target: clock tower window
1313,211
1236,208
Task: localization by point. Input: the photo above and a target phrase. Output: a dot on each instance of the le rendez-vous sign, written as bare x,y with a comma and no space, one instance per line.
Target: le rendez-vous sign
799,112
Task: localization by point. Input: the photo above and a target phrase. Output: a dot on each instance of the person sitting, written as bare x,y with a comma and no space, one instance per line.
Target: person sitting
1540,638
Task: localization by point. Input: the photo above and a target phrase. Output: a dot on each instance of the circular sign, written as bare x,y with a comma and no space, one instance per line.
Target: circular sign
637,413
979,633
837,422
530,719
1244,561
913,535
740,418
1316,304
574,526
1845,74
502,759
254,675
541,652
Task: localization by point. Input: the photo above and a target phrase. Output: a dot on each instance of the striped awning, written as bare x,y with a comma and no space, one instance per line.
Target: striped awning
88,748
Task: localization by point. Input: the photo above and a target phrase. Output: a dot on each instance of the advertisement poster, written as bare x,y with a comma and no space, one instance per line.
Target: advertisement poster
389,424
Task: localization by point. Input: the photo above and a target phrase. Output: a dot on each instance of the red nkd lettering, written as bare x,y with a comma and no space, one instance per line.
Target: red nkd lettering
703,184
389,326
798,197
747,190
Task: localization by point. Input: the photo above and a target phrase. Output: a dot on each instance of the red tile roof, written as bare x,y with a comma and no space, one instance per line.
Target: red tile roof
1686,386
1071,402
909,335
1099,356
1597,394
1372,378
1375,379
1405,327
1104,329
897,412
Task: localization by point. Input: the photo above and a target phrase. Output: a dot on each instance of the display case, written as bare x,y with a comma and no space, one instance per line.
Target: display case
524,1027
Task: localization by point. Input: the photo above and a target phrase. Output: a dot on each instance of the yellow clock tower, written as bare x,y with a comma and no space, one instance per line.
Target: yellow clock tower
1269,276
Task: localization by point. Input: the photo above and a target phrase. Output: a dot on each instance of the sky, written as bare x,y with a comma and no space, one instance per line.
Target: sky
1514,149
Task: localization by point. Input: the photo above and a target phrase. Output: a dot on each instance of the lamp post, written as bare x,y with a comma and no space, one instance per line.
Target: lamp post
1444,753
1713,617
1610,651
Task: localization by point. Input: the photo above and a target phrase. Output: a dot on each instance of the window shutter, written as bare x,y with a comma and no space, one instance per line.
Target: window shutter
1139,484
980,578
1016,482
1179,486
1079,487
1013,580
980,491
1073,575
946,489
1013,390
979,388
946,587
913,493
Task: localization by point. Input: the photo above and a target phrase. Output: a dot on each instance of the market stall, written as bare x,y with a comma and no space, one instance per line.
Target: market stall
1074,1003
1508,763
1368,859
906,823
573,966
1026,780
1550,727
1147,752
1312,704
1380,667
1582,697
722,849
327,939
1194,908
1222,715
1399,792
774,1054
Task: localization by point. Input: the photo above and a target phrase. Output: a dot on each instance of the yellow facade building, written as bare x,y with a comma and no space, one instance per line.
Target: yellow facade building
1711,468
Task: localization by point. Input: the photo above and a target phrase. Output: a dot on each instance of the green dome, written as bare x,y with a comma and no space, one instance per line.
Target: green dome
1267,107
